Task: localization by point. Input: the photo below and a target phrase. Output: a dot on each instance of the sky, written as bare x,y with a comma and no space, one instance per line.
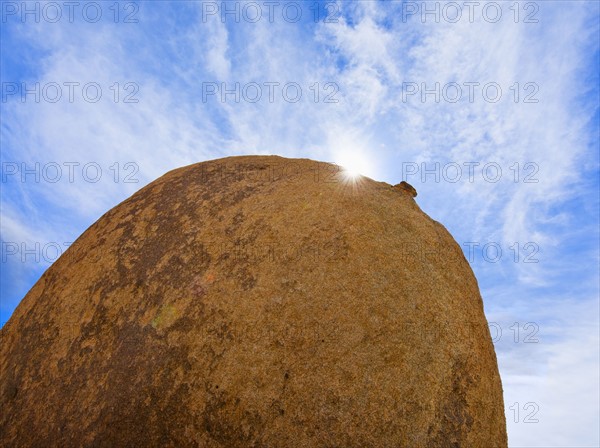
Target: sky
489,109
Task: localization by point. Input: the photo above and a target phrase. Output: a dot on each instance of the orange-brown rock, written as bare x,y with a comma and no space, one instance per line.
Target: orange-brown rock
254,302
405,186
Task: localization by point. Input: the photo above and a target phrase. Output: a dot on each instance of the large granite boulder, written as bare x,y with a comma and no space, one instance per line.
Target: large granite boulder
255,302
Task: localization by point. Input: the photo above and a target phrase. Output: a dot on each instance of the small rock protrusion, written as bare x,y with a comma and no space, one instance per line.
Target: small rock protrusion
405,186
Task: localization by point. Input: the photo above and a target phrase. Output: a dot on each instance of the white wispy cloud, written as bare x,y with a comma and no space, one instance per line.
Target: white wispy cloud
558,373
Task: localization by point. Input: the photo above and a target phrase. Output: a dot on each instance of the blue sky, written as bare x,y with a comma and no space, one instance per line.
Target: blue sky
369,57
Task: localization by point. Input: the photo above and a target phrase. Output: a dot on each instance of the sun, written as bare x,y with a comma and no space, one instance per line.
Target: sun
352,166
350,174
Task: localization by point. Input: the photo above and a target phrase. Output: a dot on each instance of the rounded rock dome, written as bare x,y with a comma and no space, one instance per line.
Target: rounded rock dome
255,301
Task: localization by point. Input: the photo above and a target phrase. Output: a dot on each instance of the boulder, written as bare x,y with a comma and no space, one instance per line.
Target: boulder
255,301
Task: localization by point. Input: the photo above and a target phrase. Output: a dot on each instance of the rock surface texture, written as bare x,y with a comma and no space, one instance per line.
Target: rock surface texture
254,302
